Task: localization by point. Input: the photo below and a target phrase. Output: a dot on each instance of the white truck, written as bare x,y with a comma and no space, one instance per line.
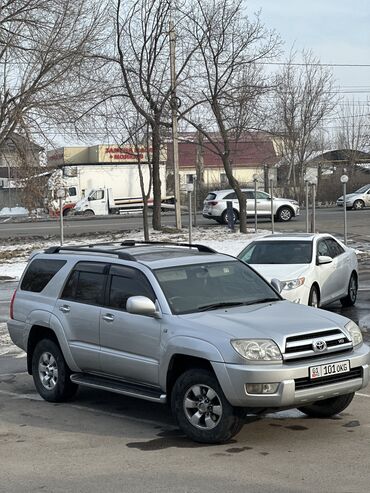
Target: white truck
101,189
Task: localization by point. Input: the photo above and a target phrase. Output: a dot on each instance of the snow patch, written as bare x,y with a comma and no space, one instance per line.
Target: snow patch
13,211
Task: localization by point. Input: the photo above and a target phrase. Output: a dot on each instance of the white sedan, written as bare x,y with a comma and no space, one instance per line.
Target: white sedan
313,269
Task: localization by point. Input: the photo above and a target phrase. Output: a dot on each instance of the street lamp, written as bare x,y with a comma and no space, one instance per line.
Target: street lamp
307,183
61,195
344,180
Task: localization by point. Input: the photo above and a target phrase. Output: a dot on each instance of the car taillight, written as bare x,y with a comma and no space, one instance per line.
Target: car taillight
11,312
213,202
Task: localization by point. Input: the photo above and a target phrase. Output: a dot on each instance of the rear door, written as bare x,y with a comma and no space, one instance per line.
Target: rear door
130,344
79,308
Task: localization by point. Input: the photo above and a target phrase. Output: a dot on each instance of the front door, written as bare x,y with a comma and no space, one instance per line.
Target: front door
98,202
130,344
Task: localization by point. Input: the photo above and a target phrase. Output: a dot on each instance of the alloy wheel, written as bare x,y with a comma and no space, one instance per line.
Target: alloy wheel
48,370
202,407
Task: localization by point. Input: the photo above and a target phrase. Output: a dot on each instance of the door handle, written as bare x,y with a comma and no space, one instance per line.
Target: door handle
108,317
65,308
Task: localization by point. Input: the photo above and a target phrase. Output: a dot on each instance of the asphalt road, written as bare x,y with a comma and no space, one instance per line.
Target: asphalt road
328,220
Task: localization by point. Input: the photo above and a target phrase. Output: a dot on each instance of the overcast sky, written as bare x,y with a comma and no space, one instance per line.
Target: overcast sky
337,31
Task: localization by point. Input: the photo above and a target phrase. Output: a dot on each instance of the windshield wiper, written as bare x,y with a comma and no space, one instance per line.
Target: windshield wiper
224,304
263,300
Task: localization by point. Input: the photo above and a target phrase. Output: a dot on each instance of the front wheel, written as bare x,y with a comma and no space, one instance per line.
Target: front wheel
89,212
314,297
202,410
50,372
328,407
351,297
284,214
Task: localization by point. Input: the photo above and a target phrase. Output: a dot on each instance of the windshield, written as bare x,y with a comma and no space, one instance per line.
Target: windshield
362,189
277,252
208,286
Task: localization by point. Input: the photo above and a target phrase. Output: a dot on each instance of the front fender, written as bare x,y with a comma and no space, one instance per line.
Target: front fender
187,346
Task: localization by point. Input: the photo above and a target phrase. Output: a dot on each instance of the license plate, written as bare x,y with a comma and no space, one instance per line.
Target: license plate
329,369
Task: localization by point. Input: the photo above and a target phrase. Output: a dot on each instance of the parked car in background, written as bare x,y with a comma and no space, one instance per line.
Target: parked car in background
215,205
357,200
184,325
313,269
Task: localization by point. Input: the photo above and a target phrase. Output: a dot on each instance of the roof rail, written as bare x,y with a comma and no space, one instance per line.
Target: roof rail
119,253
201,248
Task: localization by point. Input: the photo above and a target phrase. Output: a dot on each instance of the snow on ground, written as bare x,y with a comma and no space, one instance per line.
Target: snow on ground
13,211
6,345
13,258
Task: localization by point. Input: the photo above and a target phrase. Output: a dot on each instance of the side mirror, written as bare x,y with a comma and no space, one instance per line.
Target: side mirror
276,284
324,259
141,305
89,198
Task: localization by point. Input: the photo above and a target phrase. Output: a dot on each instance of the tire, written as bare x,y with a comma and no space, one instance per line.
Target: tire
224,217
284,214
358,205
51,373
328,407
89,212
351,297
314,297
194,399
67,212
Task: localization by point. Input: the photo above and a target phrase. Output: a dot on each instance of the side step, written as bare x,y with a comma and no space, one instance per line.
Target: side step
125,388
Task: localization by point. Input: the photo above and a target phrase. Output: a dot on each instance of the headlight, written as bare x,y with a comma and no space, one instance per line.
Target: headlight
355,332
293,283
257,349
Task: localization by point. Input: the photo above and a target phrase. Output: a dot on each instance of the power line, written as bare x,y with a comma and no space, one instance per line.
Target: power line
319,64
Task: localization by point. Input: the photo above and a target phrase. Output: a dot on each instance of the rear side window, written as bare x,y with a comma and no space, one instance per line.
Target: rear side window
39,273
211,196
86,284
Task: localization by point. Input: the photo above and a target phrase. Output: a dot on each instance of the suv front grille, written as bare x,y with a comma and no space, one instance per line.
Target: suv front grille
306,383
301,346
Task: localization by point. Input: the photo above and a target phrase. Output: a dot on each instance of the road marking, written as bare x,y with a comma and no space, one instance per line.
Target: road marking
362,395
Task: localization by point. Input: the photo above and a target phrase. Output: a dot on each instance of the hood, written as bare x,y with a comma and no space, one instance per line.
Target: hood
283,272
350,196
275,321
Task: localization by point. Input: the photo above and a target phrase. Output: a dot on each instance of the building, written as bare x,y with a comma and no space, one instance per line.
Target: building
253,154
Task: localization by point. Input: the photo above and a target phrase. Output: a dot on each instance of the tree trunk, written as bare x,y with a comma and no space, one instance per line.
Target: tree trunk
156,220
240,195
145,219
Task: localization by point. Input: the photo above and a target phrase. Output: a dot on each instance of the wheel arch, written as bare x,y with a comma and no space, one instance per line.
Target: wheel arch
315,284
38,333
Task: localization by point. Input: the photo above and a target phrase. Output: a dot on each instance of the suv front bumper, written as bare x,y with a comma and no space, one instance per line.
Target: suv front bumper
233,380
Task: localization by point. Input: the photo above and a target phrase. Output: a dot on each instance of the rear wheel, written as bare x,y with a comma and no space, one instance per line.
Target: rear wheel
50,372
224,216
358,205
328,407
284,214
351,297
314,297
202,410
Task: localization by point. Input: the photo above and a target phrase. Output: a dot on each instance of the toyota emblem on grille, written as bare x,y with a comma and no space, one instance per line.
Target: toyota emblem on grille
319,345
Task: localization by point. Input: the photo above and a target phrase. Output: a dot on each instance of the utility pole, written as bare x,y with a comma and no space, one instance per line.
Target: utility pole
175,138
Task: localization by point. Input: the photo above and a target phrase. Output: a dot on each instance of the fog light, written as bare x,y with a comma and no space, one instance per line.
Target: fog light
261,388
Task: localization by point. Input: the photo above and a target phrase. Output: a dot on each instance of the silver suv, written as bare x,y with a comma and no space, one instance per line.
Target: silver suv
357,200
185,325
215,205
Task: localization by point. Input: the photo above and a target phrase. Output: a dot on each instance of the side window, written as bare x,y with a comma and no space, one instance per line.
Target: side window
126,282
247,255
98,195
86,283
72,191
262,195
230,196
334,248
323,249
249,195
39,273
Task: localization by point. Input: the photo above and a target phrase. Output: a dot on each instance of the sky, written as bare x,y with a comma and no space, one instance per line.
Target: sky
337,32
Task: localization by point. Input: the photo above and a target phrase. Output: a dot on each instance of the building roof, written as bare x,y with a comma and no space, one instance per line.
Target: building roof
249,151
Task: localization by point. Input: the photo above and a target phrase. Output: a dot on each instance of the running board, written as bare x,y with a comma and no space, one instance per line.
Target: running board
125,388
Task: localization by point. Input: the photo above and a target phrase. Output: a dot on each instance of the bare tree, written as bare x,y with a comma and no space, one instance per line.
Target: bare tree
43,51
229,83
304,96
